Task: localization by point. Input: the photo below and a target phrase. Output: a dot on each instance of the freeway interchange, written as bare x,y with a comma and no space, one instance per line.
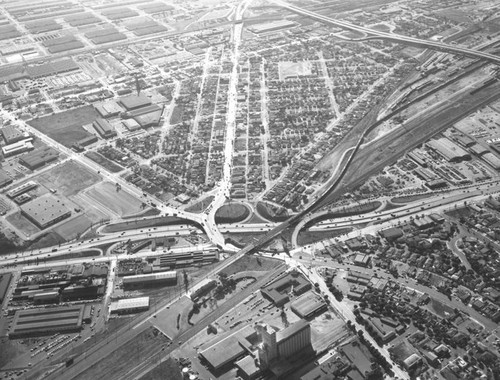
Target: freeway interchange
270,231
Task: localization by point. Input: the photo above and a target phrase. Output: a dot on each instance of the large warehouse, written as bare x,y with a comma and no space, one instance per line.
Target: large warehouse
104,129
133,102
47,321
129,305
39,157
45,211
308,305
449,150
277,292
151,279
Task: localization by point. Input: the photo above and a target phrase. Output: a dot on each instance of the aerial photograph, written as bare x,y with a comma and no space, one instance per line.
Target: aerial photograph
250,189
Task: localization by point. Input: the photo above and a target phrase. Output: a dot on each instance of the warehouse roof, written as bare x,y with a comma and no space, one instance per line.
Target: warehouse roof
307,305
228,349
448,149
130,303
5,178
160,276
133,101
45,209
11,134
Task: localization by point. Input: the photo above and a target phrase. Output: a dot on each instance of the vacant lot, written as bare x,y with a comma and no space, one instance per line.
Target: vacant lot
232,213
120,202
22,224
69,178
66,127
104,162
271,212
73,228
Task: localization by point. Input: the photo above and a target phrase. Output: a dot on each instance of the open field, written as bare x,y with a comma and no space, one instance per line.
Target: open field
73,228
22,224
68,178
104,162
47,240
66,127
232,213
120,202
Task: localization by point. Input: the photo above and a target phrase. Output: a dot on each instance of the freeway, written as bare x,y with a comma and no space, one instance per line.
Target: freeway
393,37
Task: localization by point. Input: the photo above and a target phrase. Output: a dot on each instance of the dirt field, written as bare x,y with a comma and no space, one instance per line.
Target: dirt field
121,202
74,227
68,178
22,224
66,127
104,162
251,263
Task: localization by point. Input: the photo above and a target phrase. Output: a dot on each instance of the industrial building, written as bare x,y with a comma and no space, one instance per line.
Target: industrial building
81,144
45,211
150,119
152,279
277,291
186,259
17,148
491,160
108,109
104,129
133,102
280,345
27,186
12,135
449,150
46,321
308,305
39,157
131,125
129,305
229,349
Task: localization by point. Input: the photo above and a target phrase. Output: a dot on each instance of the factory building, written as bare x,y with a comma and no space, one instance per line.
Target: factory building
33,322
104,129
27,186
39,157
308,305
277,291
45,211
449,150
229,349
12,135
17,148
133,102
152,279
129,305
491,160
108,109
